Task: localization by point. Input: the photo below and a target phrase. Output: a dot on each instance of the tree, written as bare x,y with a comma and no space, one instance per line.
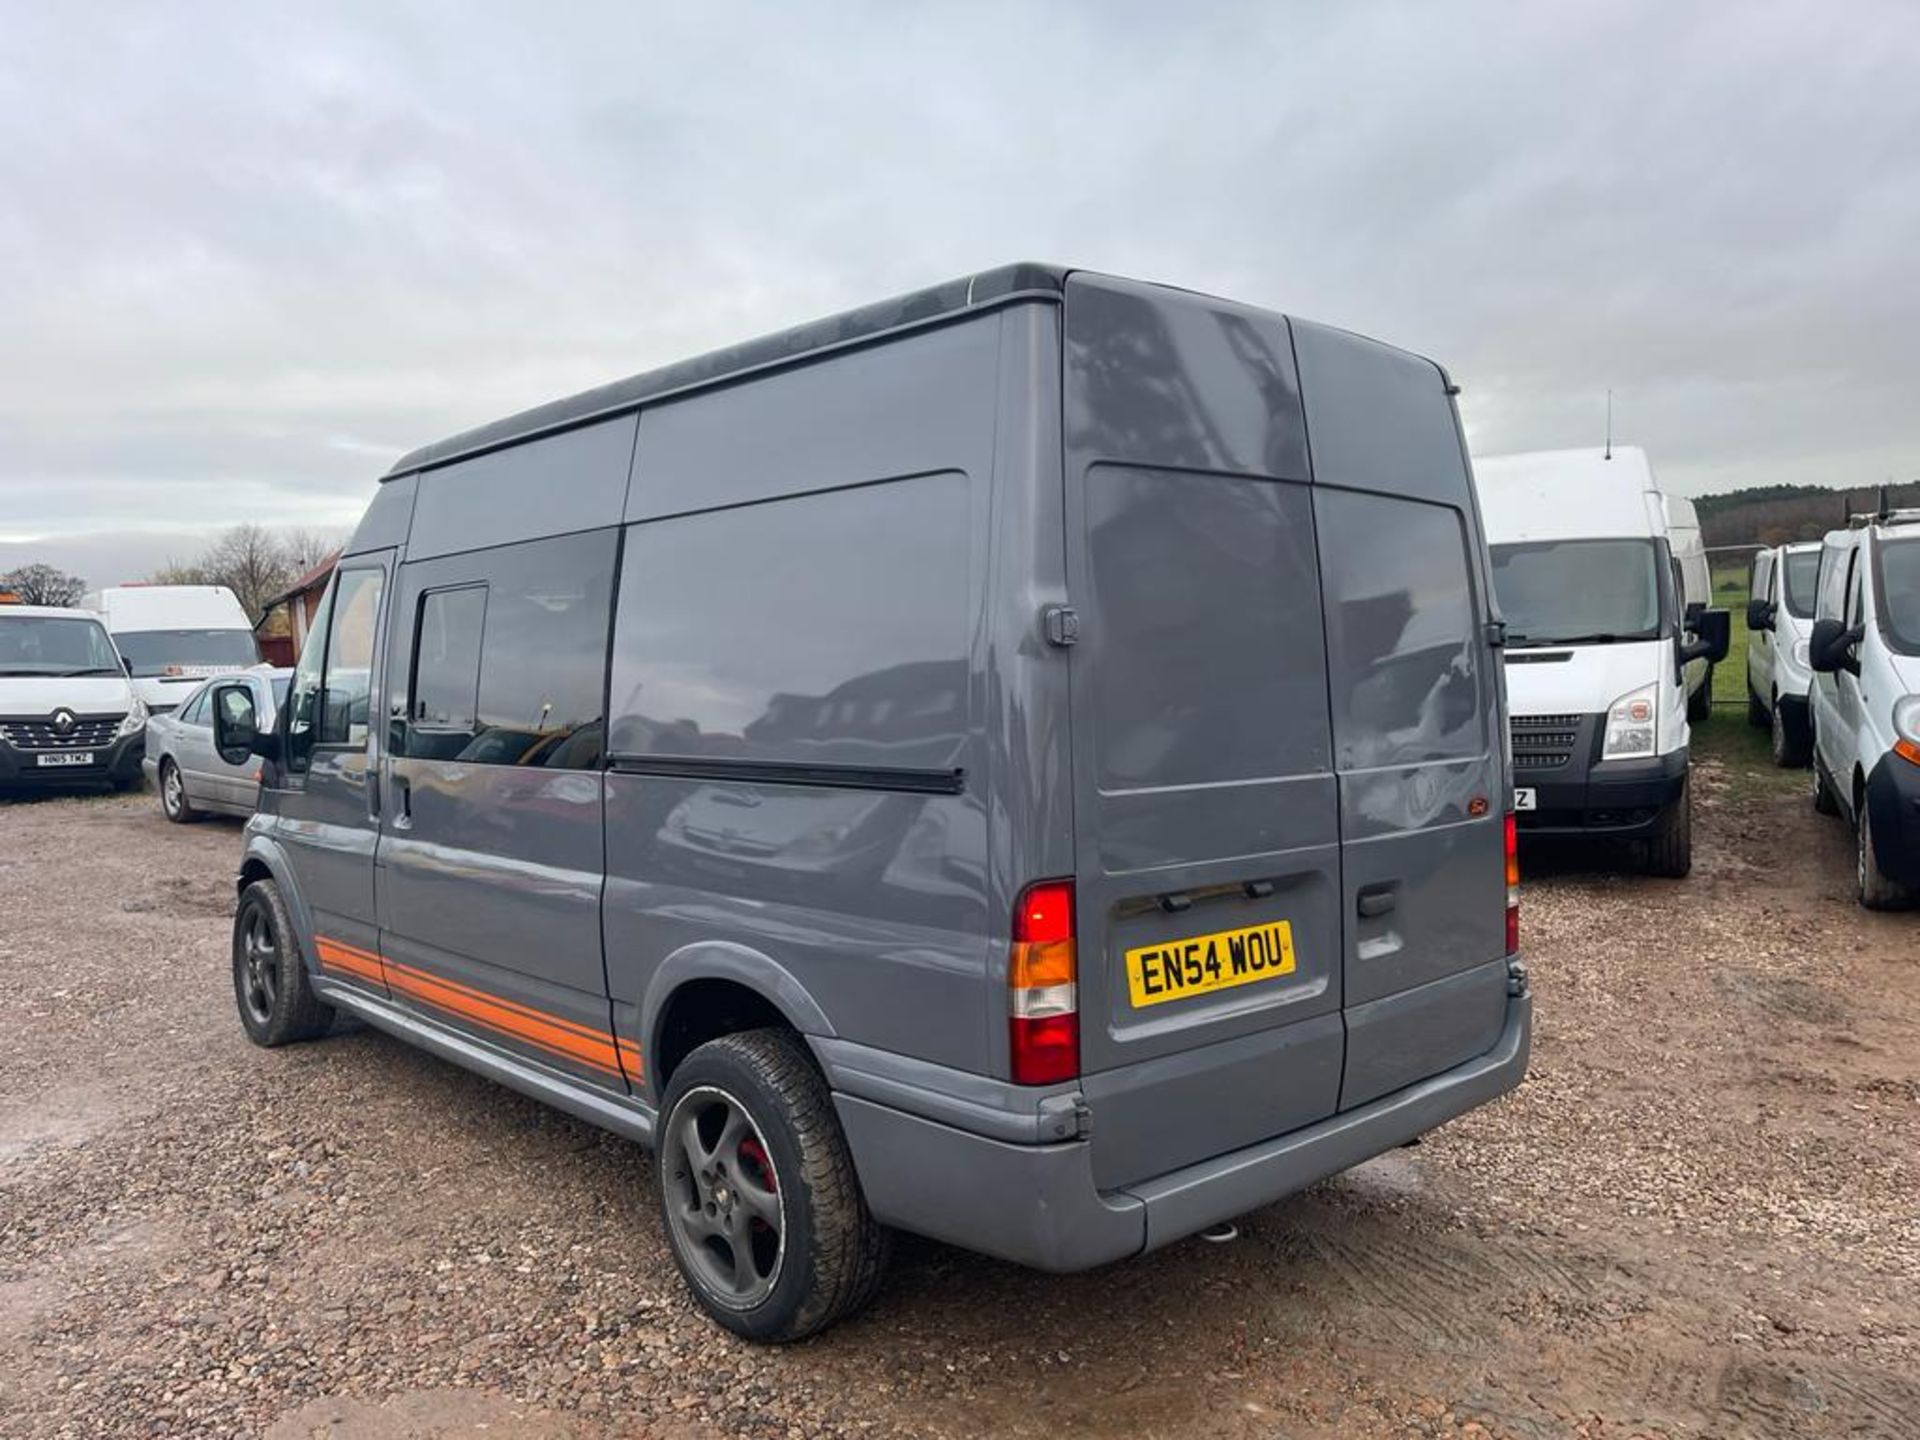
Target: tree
43,585
252,561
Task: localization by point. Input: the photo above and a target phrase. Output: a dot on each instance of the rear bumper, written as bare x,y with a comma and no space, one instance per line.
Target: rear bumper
118,762
1618,799
1893,801
1038,1205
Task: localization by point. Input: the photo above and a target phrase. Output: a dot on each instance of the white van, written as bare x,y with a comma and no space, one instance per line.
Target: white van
67,710
1696,594
1865,651
1597,641
1782,588
175,636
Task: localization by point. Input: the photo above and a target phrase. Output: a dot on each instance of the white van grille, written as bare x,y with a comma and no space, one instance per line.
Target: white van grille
1541,742
87,733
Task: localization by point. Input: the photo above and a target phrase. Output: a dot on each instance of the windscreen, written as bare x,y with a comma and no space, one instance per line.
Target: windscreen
1803,575
187,652
1898,582
1564,592
55,645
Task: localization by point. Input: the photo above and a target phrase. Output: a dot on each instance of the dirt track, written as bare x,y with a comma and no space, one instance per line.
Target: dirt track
1698,1218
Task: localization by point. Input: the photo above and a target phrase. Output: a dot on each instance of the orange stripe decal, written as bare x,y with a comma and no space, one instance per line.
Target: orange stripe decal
549,1033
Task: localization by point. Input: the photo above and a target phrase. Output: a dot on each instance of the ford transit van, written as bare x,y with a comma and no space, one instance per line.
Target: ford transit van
1021,763
1599,640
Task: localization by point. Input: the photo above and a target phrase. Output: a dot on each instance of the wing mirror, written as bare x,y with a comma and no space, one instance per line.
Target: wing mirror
236,727
1712,634
1759,615
1830,647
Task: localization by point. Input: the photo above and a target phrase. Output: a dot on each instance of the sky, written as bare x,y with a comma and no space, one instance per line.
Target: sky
250,253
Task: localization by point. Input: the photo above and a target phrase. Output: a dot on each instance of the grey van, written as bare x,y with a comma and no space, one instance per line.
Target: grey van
1021,763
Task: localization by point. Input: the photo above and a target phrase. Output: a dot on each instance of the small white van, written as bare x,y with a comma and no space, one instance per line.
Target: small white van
175,636
1865,652
1598,641
68,713
1781,594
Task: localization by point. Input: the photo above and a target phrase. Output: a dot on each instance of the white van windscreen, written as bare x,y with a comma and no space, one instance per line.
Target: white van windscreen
187,652
1802,582
1571,592
1898,582
55,645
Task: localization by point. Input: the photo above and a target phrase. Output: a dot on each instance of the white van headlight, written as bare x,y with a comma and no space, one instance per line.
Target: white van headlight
1802,654
1906,728
1630,724
134,719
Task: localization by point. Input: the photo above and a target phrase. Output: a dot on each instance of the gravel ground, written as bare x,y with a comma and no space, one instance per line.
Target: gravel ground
1698,1218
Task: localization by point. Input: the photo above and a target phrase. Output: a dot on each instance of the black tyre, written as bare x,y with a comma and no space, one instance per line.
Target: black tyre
174,803
757,1190
1788,740
1700,702
270,984
1825,802
1877,891
1756,710
1670,849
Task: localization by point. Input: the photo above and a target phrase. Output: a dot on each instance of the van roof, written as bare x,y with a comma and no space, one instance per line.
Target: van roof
1569,495
62,612
168,607
970,292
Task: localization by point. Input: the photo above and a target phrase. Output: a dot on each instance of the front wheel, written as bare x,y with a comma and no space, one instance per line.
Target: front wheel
174,803
1700,702
1877,890
757,1190
270,984
1788,741
1670,850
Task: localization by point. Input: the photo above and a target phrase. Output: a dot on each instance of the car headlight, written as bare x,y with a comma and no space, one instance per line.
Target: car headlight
1802,654
1906,728
134,719
1631,723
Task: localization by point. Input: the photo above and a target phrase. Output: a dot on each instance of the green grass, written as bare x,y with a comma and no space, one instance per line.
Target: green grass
1745,751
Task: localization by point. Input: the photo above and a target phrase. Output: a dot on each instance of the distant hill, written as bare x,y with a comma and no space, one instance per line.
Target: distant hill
1779,514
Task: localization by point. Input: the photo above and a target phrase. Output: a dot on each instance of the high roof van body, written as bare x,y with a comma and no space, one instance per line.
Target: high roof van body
175,636
1598,643
1021,763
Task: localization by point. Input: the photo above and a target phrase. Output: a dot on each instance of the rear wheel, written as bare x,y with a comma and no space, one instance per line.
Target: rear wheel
174,803
757,1190
1825,802
1789,741
1670,849
1877,891
270,984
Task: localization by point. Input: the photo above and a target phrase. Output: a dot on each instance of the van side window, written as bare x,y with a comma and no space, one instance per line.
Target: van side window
827,629
506,655
1855,609
1403,631
349,674
1762,576
1204,629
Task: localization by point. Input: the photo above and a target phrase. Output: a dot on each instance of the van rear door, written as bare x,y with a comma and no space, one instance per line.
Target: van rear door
1417,706
1206,819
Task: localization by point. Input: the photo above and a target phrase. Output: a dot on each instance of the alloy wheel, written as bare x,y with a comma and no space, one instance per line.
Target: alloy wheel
725,1207
260,966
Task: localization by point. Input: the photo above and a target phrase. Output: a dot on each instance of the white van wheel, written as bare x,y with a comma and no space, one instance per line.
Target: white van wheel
1824,801
1670,848
1877,891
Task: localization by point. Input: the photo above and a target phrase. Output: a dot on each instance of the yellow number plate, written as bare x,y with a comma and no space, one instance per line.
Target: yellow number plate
1179,968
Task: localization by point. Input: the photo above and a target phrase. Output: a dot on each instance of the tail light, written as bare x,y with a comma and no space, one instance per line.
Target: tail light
1513,887
1043,1025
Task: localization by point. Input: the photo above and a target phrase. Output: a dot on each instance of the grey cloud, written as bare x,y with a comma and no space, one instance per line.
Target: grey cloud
251,253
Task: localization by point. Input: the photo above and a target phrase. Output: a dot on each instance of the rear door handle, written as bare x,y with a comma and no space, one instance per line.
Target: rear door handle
1377,900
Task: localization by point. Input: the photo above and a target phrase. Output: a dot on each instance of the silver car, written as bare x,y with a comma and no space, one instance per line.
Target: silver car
180,759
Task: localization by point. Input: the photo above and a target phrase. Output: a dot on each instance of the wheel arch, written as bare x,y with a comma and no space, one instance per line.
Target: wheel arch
704,991
265,860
